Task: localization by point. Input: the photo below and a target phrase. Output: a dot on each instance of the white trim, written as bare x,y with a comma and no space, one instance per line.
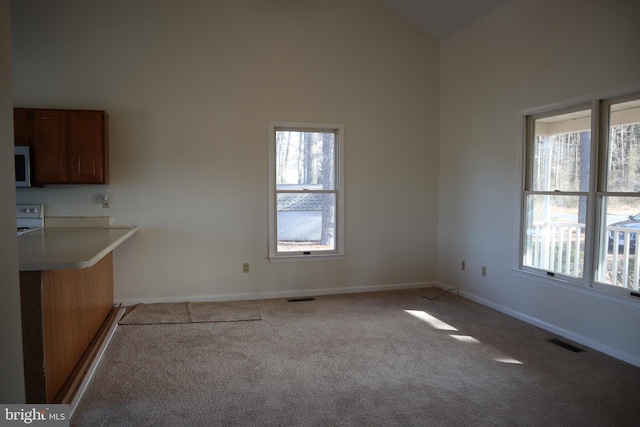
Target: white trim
629,358
594,210
626,357
338,253
518,257
306,258
292,293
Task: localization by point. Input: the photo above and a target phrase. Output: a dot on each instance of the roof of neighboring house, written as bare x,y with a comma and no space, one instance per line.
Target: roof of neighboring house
299,202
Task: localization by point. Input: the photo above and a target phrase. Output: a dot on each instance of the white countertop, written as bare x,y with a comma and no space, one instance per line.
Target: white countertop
64,248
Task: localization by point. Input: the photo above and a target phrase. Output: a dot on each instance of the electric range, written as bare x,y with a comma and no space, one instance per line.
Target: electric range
29,218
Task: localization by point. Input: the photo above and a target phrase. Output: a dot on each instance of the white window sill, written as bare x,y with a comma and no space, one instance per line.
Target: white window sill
303,258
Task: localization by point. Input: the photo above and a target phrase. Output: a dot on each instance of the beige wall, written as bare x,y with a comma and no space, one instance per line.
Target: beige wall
190,87
11,378
524,55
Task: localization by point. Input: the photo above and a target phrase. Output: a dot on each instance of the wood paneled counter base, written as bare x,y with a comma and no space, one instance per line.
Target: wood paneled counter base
66,293
63,312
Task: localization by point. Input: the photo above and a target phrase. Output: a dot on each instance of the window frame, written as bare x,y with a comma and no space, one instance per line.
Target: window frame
595,217
314,255
602,191
529,136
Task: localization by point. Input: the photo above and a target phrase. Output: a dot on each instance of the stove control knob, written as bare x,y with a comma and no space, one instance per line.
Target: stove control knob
27,210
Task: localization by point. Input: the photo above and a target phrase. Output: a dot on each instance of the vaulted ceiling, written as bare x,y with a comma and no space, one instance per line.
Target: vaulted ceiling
441,18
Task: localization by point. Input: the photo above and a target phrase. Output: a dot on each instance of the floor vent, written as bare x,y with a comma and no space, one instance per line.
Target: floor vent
565,345
301,299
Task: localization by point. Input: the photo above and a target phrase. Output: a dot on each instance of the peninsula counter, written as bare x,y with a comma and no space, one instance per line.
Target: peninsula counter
66,293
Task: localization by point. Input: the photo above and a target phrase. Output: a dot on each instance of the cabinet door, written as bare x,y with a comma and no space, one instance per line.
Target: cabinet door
87,146
50,147
22,126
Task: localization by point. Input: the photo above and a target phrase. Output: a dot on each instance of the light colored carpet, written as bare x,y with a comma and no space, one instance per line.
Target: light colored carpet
232,311
375,359
192,312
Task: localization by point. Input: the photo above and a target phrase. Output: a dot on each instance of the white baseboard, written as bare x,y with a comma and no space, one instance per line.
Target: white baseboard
292,293
295,293
626,357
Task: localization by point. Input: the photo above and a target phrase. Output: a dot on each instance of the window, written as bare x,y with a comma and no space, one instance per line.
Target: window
581,194
305,191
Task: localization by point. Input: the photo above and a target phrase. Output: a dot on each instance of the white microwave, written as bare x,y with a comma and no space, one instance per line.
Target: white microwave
23,166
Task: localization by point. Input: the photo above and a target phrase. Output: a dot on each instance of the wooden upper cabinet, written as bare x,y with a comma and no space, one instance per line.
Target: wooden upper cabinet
88,147
22,126
50,158
69,146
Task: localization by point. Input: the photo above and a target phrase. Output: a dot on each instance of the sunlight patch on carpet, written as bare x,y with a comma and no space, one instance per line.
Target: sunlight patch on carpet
434,322
465,338
508,360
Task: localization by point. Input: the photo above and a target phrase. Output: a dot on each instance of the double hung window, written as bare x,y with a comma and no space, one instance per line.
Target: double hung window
581,194
305,191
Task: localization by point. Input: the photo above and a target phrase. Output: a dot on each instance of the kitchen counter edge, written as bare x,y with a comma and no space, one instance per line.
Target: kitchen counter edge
88,256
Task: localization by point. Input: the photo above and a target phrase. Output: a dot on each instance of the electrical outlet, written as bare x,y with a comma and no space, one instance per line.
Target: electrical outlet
463,266
245,267
484,271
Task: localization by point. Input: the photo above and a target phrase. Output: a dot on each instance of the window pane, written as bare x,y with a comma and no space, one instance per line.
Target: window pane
306,222
561,150
617,255
305,160
555,231
623,172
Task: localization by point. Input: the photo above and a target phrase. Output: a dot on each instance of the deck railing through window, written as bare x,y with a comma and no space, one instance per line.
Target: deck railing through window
619,261
556,247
